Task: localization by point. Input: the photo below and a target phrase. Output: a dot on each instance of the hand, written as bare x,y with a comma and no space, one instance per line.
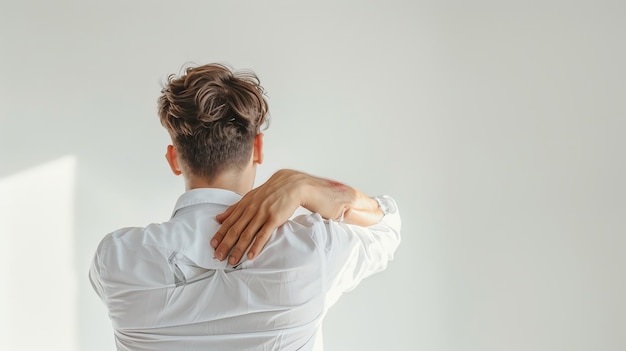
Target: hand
262,210
257,215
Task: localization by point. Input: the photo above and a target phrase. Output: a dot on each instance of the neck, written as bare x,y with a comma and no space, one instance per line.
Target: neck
237,181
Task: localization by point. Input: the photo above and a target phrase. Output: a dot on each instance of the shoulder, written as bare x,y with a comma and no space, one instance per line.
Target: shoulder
295,244
122,237
126,245
305,222
135,237
131,256
339,236
106,261
314,229
312,226
116,243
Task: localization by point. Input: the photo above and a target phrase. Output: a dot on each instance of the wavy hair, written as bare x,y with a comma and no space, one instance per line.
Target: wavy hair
213,114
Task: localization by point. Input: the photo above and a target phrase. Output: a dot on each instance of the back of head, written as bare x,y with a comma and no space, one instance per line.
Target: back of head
213,115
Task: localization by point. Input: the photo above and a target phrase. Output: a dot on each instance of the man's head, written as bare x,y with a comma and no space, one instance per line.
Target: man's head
214,117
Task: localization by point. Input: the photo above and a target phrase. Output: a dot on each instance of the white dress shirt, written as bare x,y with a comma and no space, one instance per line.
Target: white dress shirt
165,291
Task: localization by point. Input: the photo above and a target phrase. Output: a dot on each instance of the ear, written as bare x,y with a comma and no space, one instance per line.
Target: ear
257,156
172,159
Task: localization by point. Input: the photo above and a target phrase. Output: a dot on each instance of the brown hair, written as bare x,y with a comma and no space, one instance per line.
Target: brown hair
213,115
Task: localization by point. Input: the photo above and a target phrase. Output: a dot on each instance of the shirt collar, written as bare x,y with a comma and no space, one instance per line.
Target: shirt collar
206,196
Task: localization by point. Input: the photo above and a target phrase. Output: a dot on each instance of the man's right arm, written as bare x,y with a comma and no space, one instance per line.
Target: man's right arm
262,210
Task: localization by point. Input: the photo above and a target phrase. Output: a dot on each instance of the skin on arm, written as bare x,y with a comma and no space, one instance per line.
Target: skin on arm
254,218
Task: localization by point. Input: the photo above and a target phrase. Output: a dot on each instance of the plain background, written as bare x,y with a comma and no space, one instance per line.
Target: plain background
499,127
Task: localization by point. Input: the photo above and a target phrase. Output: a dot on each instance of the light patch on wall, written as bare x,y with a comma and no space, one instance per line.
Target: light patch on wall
38,290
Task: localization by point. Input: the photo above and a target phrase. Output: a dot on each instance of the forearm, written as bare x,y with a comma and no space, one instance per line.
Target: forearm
334,200
265,208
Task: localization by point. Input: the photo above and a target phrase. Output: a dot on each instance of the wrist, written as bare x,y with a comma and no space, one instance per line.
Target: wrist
298,184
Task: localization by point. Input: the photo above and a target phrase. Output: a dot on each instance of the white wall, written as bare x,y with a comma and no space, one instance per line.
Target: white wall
500,129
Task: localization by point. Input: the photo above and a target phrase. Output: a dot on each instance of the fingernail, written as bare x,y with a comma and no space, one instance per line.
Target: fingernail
250,255
219,256
232,260
214,243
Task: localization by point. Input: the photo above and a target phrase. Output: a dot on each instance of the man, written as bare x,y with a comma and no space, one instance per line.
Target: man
176,286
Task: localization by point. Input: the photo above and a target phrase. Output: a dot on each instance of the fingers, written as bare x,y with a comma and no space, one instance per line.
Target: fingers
228,234
262,237
245,239
255,235
227,221
222,216
227,243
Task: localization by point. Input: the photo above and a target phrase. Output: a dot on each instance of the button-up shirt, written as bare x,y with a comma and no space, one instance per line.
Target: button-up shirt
165,291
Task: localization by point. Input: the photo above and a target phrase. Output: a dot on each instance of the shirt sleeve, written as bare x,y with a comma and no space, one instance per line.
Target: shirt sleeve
97,270
352,253
95,277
